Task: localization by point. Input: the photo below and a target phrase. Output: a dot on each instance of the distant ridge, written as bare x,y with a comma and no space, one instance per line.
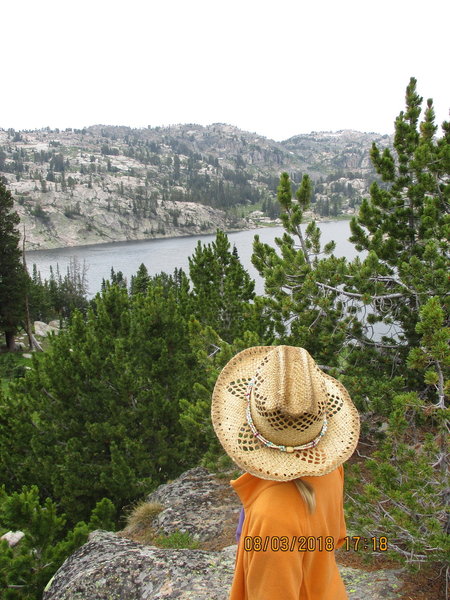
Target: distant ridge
112,183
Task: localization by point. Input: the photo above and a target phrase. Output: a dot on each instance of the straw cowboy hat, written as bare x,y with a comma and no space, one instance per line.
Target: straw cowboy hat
279,417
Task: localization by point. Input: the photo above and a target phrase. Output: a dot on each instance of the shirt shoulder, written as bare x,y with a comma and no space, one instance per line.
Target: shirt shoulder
278,510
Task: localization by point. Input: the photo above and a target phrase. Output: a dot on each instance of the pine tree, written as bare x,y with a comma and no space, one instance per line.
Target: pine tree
406,498
212,353
140,281
304,313
98,415
39,298
26,568
222,288
12,275
329,305
405,223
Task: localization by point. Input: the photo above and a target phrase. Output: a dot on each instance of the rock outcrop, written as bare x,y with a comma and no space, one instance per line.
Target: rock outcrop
107,184
111,567
12,537
42,329
199,504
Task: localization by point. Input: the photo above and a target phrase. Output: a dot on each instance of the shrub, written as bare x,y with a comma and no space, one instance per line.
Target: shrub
26,567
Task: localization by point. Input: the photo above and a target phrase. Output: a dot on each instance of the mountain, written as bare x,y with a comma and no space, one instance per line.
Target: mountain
107,183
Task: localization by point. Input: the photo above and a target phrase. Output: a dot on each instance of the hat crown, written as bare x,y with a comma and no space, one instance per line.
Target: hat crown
287,380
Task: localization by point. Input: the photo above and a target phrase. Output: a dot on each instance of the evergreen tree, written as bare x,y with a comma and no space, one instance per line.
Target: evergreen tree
26,568
140,281
98,415
222,288
303,314
12,275
39,298
329,305
406,498
405,223
226,317
60,296
212,353
118,278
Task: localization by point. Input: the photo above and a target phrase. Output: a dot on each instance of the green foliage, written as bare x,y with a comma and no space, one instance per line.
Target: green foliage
12,366
403,497
212,354
405,229
121,400
222,290
98,414
140,281
26,567
58,297
329,304
304,312
405,224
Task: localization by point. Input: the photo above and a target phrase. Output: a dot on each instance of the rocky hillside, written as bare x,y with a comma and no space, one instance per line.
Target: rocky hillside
118,566
107,183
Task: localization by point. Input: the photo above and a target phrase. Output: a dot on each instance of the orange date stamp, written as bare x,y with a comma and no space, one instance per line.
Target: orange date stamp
284,543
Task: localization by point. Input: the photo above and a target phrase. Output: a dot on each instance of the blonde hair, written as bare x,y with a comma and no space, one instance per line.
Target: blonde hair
307,493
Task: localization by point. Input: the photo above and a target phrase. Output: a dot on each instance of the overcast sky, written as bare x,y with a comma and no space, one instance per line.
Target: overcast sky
274,67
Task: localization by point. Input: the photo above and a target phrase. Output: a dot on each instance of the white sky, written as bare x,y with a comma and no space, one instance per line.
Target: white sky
277,68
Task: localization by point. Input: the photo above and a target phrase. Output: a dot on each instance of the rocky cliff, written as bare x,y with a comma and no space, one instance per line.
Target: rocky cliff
104,183
116,567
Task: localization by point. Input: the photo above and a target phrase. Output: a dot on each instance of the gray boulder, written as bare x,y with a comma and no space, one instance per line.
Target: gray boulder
12,537
112,568
197,503
42,329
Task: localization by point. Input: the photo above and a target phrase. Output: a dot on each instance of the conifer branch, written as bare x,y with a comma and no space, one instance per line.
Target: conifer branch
359,296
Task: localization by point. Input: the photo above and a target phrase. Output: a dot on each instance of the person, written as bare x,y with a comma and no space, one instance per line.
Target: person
290,427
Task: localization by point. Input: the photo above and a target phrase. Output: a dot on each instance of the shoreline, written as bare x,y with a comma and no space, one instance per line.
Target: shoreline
254,226
134,241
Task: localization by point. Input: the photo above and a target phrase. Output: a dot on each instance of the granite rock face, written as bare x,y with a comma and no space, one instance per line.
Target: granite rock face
111,567
196,503
42,329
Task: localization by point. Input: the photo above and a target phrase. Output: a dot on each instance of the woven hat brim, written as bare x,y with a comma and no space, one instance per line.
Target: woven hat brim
229,422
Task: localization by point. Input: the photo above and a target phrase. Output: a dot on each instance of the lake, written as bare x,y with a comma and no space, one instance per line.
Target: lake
169,253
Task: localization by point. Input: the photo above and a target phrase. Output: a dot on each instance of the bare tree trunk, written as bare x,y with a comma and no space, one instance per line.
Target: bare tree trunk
10,337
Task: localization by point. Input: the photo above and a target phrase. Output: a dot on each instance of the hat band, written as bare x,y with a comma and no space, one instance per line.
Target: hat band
312,444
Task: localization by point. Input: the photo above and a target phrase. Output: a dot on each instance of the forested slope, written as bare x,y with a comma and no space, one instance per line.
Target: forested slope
104,183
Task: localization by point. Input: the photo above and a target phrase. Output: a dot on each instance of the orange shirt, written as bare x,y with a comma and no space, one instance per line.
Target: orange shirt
277,518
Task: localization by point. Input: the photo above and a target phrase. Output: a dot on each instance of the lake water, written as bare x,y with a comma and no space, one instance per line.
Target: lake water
169,253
